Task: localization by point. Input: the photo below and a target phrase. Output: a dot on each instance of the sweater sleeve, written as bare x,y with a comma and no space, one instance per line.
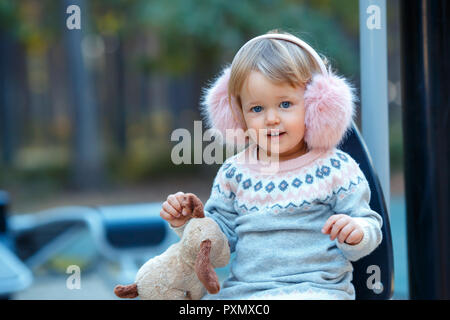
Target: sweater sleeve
354,200
220,205
178,230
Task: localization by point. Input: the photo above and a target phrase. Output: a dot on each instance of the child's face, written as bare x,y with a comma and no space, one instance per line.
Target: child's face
270,106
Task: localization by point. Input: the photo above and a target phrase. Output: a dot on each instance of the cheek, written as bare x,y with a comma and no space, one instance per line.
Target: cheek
297,132
253,122
251,127
296,123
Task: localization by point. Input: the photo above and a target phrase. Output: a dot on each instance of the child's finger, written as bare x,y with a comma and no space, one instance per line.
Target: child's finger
184,204
329,223
166,216
337,226
170,210
355,237
173,201
178,197
345,232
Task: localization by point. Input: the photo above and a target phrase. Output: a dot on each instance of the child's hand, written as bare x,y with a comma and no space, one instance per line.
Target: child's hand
344,228
180,207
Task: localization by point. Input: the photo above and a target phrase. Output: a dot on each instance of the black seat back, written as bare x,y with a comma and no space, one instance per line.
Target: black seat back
380,261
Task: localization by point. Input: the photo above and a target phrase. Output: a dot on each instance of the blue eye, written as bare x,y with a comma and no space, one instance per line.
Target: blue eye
285,104
256,109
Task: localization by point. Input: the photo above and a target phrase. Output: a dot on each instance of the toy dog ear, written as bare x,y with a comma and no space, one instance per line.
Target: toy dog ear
204,269
215,108
193,205
329,110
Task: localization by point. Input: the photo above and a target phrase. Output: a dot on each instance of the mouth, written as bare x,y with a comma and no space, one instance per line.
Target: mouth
274,135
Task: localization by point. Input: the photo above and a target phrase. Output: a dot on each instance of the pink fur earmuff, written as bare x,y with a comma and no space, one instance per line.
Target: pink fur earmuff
329,105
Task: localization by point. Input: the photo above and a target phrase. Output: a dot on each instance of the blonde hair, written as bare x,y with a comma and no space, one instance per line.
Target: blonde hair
279,61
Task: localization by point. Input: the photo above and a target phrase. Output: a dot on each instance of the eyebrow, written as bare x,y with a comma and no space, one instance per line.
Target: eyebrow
277,97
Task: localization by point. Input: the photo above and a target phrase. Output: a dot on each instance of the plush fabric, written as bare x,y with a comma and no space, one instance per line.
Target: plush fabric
329,110
186,268
172,276
216,111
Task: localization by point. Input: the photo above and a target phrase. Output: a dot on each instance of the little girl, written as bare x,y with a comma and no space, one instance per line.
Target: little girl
295,230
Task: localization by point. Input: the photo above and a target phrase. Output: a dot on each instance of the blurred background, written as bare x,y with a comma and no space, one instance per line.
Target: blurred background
88,121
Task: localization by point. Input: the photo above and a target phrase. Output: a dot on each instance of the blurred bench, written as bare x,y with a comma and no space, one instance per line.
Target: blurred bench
125,234
14,275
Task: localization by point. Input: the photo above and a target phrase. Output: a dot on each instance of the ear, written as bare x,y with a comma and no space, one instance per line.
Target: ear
193,205
215,108
204,269
329,110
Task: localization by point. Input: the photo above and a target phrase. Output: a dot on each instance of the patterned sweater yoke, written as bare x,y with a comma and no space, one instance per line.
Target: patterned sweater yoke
315,177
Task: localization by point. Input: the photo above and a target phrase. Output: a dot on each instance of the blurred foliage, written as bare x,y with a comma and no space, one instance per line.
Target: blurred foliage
396,146
8,14
208,30
196,33
156,37
345,12
146,160
203,29
41,169
35,24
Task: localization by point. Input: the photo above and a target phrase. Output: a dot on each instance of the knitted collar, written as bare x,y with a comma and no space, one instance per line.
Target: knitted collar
249,159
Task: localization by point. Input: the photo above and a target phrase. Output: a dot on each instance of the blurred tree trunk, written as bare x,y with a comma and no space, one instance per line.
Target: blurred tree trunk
87,165
120,116
113,94
181,98
7,134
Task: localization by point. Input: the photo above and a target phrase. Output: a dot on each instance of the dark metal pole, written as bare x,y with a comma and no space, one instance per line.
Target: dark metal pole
87,147
425,58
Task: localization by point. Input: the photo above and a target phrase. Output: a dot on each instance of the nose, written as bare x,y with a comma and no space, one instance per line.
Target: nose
272,117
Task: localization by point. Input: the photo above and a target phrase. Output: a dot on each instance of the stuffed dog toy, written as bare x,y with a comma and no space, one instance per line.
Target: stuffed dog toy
186,268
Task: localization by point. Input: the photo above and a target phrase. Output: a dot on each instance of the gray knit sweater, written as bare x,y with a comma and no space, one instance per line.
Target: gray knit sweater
273,222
